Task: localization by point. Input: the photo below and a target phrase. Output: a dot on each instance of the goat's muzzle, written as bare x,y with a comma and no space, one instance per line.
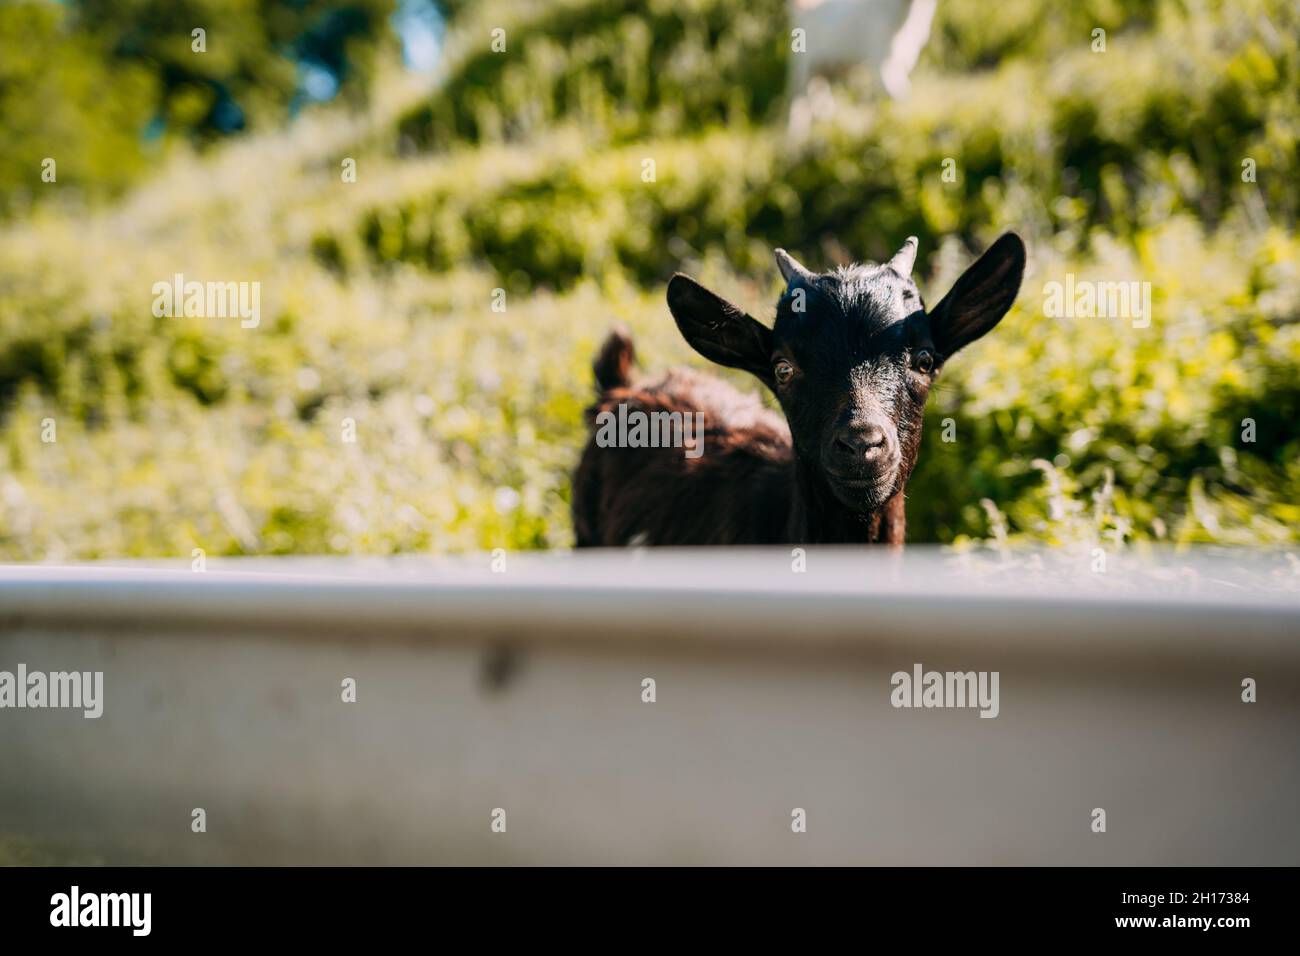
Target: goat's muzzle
861,463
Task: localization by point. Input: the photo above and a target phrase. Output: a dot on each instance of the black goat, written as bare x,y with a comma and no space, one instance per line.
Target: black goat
851,360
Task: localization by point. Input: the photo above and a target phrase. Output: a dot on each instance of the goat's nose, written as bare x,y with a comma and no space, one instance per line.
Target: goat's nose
861,441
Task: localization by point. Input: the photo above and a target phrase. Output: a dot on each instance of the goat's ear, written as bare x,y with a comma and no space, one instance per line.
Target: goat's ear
718,330
980,296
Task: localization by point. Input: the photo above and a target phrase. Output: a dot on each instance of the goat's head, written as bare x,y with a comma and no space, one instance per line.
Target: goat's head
852,356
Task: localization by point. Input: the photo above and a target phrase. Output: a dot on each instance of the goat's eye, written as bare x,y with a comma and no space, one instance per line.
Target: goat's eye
784,371
924,361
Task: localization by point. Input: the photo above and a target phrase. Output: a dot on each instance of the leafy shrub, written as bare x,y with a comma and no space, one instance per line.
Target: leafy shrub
377,295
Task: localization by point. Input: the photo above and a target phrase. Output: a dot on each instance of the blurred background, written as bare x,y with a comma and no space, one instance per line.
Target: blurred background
1171,156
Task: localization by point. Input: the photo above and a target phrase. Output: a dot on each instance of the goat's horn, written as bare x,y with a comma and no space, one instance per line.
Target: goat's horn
904,258
790,267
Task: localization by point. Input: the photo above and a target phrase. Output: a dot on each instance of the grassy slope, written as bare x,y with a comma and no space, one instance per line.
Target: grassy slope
182,433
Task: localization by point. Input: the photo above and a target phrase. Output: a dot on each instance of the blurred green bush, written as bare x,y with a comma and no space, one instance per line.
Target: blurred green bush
523,171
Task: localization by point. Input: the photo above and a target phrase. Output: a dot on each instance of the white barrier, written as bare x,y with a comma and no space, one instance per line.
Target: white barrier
523,691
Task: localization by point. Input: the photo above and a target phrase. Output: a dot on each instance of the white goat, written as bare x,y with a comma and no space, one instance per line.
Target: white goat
886,36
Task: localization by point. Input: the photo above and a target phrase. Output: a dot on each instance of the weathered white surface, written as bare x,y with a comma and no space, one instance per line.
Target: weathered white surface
522,690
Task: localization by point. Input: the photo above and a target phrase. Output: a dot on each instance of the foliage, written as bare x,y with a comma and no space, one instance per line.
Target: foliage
253,52
520,173
103,86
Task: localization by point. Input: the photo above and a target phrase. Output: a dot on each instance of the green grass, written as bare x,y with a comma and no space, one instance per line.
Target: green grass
175,434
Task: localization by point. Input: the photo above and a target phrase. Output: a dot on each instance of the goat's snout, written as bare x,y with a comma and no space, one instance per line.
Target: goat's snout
857,447
861,440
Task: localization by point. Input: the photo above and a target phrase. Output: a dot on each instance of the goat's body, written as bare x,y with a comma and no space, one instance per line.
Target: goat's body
736,492
746,488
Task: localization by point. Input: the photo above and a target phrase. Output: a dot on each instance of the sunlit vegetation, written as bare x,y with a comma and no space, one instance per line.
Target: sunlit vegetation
522,171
